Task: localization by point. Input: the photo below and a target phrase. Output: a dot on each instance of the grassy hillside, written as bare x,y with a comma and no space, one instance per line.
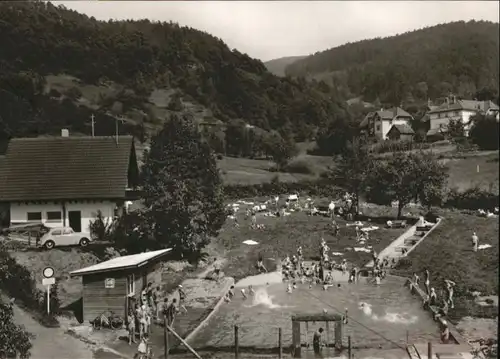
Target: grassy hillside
277,66
428,63
57,67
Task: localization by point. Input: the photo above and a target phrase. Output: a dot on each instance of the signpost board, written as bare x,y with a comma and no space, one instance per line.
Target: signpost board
48,280
109,283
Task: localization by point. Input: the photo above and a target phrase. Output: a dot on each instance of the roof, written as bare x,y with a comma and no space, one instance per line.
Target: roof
121,263
436,131
469,105
403,129
57,168
388,114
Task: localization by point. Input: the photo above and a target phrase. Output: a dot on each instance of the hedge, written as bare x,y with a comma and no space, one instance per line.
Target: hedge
472,198
322,188
17,282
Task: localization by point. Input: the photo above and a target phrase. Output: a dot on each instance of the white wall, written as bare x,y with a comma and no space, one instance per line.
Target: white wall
386,125
463,115
18,212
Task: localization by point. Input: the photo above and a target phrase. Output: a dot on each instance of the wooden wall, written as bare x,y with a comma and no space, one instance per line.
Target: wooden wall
98,299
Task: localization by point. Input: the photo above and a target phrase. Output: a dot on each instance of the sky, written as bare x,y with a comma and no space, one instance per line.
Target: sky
268,30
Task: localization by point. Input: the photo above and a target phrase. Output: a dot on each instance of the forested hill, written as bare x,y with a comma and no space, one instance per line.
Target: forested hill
461,57
57,67
277,66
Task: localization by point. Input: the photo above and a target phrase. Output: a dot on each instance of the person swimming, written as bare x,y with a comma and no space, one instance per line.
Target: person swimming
243,293
289,288
250,290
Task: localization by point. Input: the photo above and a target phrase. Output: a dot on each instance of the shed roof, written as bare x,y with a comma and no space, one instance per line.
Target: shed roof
403,129
120,263
57,168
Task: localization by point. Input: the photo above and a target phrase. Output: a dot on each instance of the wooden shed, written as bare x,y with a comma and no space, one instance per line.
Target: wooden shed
116,284
401,133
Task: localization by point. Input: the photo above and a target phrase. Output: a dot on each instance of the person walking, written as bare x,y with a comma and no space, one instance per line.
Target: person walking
182,297
427,282
475,242
450,285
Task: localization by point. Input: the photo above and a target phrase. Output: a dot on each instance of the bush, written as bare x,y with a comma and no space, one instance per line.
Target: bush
472,198
299,166
322,188
17,282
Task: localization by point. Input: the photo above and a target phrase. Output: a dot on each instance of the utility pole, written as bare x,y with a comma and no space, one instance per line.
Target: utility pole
93,122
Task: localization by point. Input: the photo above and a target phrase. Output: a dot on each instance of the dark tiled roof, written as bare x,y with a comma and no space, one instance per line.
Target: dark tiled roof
385,115
403,129
56,168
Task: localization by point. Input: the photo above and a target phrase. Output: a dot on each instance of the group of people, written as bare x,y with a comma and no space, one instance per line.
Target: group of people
431,299
244,293
141,317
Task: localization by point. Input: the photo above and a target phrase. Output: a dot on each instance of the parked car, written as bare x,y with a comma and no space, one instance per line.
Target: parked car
64,236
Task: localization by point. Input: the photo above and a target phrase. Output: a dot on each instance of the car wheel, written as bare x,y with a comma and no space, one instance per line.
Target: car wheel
49,244
84,242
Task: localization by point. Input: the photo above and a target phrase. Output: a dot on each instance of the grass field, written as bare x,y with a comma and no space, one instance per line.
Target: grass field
463,172
447,253
282,236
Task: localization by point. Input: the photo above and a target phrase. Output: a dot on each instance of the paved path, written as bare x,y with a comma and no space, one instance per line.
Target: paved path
51,343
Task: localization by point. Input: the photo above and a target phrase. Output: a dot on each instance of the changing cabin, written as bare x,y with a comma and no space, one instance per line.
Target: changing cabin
115,285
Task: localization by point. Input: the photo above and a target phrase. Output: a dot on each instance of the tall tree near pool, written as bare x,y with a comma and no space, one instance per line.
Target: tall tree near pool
183,189
352,168
408,176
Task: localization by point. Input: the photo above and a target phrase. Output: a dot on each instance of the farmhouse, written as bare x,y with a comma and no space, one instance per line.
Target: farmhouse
115,285
438,117
65,181
380,122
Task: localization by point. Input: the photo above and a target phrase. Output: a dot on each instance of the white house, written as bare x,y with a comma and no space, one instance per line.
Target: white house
65,181
380,122
458,110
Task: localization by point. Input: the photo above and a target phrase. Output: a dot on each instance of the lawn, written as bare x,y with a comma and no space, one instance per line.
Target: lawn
463,172
282,236
447,253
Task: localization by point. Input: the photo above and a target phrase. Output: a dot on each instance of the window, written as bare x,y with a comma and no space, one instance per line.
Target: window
456,113
34,216
57,232
439,115
130,284
54,216
68,231
377,128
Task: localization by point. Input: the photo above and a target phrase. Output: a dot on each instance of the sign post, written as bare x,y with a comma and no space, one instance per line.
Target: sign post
47,280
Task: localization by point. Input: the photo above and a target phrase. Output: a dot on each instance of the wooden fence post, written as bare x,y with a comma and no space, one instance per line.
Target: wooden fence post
280,344
165,336
349,352
236,343
429,350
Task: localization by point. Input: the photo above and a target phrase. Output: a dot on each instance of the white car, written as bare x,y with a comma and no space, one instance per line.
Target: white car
64,236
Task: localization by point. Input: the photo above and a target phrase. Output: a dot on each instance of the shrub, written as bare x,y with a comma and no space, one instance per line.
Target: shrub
17,282
472,198
322,187
299,166
100,228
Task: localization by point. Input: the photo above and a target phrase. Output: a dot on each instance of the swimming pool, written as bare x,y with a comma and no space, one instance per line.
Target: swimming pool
379,316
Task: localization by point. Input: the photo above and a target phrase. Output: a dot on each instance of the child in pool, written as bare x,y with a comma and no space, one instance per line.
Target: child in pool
243,293
250,290
294,285
289,288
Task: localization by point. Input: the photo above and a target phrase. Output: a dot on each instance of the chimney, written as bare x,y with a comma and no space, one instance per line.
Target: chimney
429,103
64,132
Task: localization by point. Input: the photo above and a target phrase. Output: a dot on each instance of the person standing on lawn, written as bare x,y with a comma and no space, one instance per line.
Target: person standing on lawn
450,285
317,341
172,311
427,282
475,242
182,297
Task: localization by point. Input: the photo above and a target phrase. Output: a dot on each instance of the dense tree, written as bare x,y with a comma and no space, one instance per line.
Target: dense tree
352,169
484,132
408,176
421,64
141,56
14,339
183,189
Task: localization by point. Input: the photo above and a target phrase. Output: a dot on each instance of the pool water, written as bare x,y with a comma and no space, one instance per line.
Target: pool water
382,316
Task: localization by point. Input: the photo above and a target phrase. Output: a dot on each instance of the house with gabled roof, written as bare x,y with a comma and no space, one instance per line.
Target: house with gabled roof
455,109
379,123
65,181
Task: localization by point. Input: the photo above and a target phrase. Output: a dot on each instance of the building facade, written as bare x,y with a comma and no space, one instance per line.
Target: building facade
66,181
454,109
379,123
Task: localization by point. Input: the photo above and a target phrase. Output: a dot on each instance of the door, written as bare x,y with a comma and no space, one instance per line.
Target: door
75,220
70,237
